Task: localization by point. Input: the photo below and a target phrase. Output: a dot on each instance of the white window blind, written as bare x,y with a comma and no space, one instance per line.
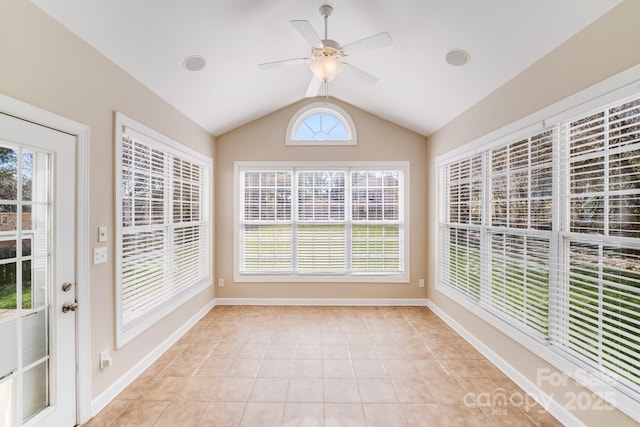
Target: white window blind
461,217
460,259
321,242
602,325
519,280
163,252
320,222
602,288
520,176
266,221
521,183
544,232
376,229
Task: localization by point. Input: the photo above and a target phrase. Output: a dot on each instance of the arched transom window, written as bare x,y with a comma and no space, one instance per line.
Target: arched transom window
321,124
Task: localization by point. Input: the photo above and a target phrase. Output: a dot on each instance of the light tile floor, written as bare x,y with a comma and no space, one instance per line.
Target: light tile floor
322,366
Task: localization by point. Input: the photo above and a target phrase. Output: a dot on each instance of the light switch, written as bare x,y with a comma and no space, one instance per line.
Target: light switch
102,234
99,255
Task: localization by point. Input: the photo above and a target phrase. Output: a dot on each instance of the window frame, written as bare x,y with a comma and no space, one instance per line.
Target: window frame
613,90
401,277
175,150
321,107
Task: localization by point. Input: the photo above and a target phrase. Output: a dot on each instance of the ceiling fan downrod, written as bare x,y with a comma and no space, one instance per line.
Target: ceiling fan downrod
325,12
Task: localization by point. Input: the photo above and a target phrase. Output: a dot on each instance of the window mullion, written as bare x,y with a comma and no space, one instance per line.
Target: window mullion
600,338
169,222
557,248
485,221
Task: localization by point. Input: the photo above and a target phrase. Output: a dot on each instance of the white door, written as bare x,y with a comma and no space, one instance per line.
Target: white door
37,275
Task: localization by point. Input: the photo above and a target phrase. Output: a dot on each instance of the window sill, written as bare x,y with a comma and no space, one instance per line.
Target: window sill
336,278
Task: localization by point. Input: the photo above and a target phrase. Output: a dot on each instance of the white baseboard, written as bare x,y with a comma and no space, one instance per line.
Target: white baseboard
561,413
405,302
117,387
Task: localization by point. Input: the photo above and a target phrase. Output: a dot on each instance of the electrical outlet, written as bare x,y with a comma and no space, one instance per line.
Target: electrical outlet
105,360
221,283
421,283
99,255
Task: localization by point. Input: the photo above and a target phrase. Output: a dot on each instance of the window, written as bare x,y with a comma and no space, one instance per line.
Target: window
321,124
602,241
329,222
163,248
542,230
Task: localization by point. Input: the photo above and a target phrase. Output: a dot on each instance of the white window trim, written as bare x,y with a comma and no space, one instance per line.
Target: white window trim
619,86
172,147
321,107
402,277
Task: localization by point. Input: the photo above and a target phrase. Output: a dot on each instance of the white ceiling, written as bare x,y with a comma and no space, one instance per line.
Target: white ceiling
417,89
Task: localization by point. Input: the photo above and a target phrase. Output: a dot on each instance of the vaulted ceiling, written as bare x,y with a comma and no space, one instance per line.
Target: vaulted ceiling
417,88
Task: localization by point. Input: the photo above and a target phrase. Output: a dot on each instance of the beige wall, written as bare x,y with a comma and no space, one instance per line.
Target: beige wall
264,140
607,47
43,64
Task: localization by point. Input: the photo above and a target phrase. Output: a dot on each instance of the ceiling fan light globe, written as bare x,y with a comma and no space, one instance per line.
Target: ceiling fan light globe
326,68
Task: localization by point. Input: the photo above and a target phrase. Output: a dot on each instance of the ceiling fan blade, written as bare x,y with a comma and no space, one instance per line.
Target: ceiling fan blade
307,31
361,75
314,87
283,63
376,41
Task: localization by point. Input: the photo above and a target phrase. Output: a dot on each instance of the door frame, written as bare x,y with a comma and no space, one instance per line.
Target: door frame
22,110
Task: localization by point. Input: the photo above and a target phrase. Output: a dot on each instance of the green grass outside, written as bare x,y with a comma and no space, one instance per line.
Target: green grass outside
8,296
464,270
8,299
529,290
373,248
619,313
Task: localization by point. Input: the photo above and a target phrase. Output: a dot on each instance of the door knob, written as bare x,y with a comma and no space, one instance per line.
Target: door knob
69,306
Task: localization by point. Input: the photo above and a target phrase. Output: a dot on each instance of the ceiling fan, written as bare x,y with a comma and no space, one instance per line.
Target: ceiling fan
327,54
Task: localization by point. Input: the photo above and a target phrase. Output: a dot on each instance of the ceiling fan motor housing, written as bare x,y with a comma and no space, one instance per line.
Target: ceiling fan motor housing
329,48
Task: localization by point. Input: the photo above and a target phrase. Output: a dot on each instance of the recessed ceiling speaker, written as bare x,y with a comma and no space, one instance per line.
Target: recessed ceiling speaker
195,63
457,57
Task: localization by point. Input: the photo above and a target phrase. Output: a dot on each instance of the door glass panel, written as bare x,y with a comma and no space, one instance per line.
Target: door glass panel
8,173
8,353
7,216
27,175
39,254
26,247
34,337
7,404
40,178
26,217
24,284
8,288
35,395
27,292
